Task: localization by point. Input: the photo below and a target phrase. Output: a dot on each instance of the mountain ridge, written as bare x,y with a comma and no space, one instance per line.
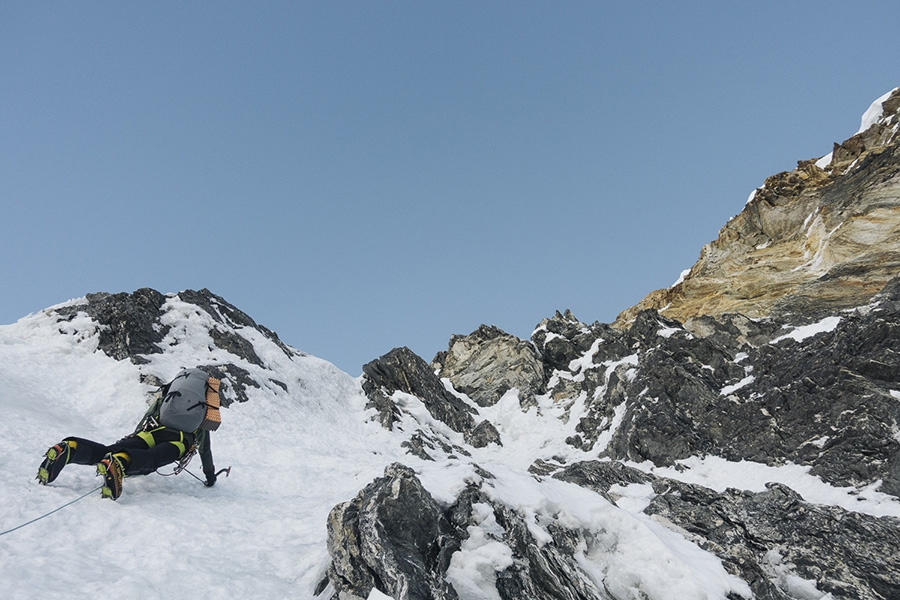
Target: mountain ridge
823,236
727,455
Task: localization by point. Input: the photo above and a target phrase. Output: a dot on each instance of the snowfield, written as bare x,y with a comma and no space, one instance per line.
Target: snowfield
261,532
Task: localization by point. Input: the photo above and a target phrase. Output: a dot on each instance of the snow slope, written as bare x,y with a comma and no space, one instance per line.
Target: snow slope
260,533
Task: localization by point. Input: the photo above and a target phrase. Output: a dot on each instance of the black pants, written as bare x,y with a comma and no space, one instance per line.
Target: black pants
147,451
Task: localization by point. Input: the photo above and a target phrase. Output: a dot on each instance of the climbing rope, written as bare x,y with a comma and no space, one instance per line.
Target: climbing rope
182,463
52,511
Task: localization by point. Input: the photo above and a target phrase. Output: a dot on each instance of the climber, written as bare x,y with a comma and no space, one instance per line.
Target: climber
171,430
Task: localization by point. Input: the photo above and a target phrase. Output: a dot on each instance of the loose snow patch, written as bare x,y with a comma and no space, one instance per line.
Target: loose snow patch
807,331
823,162
474,567
719,474
752,195
681,277
783,575
667,332
629,555
730,389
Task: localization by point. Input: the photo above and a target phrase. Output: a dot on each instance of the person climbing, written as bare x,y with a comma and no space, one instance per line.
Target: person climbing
177,424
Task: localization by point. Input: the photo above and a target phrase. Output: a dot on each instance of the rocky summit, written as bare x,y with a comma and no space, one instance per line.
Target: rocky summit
822,237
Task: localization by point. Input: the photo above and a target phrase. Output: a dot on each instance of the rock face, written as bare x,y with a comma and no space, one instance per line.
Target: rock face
401,370
129,323
132,327
392,536
764,536
395,538
825,236
740,389
488,363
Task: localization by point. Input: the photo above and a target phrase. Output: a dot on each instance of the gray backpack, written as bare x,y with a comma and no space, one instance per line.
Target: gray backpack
191,402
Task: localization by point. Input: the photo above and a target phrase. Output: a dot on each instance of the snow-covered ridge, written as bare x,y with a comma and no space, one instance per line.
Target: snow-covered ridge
305,439
875,112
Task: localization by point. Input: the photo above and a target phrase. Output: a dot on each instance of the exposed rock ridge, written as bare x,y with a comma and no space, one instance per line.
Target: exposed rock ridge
822,237
394,537
661,391
490,362
742,389
773,540
401,370
132,327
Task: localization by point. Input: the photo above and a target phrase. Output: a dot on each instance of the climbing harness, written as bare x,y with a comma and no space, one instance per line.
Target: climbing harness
52,511
182,463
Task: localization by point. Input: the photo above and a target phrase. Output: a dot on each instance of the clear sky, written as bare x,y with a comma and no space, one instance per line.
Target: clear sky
363,175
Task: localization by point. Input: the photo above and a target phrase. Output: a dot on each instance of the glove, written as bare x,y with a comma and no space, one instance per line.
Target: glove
210,477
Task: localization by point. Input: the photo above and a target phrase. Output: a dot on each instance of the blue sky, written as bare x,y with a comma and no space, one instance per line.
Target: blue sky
360,176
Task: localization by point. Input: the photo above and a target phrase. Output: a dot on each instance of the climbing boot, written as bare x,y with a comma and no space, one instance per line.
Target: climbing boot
112,469
55,459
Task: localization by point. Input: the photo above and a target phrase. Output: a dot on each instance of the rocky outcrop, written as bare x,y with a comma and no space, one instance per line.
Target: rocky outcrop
394,537
538,570
232,320
780,545
488,363
821,238
132,327
129,323
401,370
773,538
744,390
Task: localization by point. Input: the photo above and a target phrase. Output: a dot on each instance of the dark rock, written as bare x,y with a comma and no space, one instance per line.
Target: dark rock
483,434
600,476
235,381
394,537
542,572
717,386
386,412
764,536
129,323
402,370
130,328
233,320
539,571
420,443
564,338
